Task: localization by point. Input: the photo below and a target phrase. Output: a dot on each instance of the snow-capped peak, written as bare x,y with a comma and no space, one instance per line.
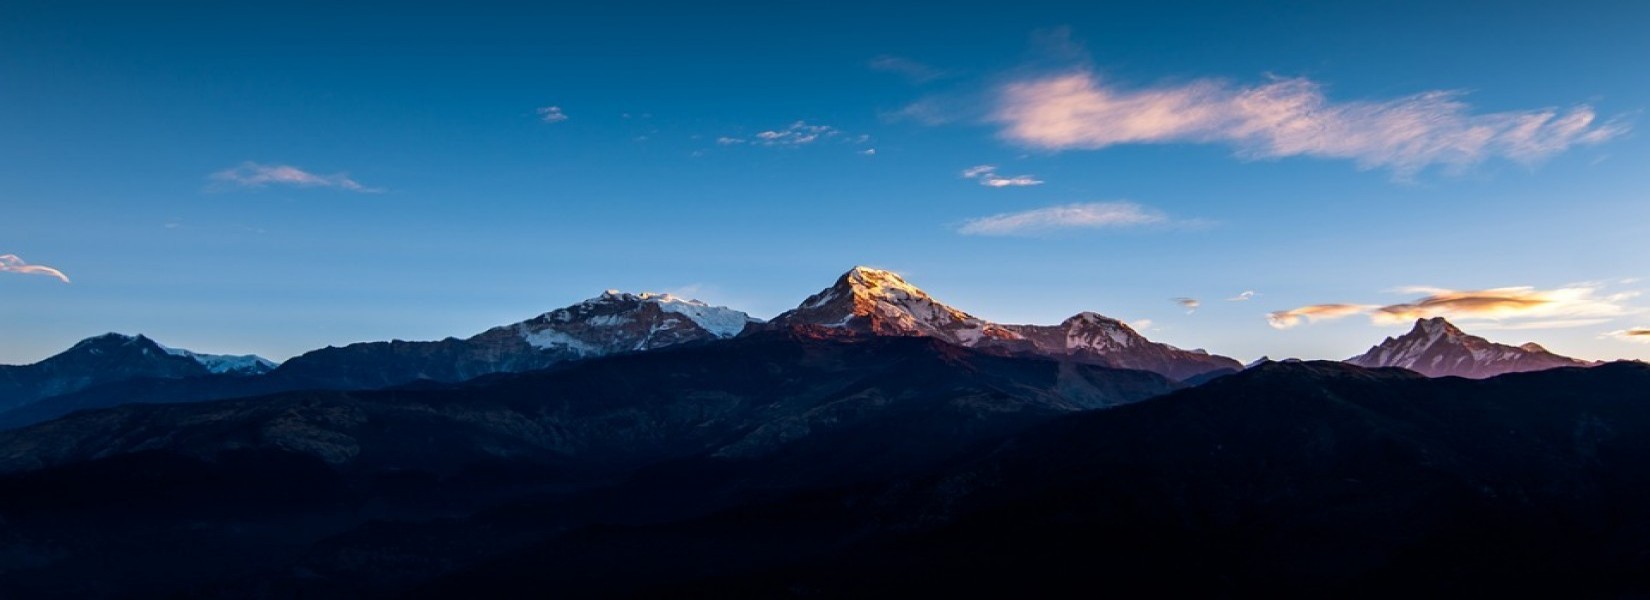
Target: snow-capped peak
878,283
882,302
619,321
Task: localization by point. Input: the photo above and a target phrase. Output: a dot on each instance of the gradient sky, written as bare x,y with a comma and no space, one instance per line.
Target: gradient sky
274,177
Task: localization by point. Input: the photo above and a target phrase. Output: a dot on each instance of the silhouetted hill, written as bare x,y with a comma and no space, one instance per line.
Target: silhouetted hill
743,421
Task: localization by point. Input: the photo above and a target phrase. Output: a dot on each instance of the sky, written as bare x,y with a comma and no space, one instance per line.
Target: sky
1295,179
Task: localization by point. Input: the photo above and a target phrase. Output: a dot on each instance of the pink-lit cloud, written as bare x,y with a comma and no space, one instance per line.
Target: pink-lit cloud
256,175
11,263
1288,117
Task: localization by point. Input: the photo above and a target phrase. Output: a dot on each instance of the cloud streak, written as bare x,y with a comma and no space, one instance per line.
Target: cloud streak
1287,117
255,175
1243,297
1093,215
11,263
988,177
1284,319
798,133
1190,304
1508,308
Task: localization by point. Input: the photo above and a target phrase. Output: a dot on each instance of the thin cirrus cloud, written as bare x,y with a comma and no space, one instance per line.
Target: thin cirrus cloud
797,134
1054,219
11,263
1288,117
256,175
912,70
1190,304
1243,297
1505,308
551,114
988,177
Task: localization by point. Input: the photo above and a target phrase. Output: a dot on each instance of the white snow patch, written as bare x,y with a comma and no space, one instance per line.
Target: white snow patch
721,322
224,363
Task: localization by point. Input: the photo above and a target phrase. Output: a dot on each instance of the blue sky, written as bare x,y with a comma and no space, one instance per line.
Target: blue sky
276,177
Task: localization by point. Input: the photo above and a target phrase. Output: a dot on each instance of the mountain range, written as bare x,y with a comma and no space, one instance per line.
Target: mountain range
872,442
114,369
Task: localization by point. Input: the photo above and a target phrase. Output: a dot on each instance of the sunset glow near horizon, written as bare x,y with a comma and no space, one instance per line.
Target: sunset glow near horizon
1295,182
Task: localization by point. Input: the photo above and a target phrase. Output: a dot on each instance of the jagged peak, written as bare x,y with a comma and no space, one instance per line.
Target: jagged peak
612,307
1533,347
1437,327
654,297
1094,318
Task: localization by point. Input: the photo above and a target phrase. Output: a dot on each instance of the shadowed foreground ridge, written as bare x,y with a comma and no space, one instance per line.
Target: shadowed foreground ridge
1307,479
215,491
819,461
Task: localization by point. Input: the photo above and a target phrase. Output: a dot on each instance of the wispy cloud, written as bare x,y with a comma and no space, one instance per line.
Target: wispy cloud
797,134
11,263
1093,215
1633,334
1243,297
1190,304
1288,117
1284,319
915,71
553,114
255,175
1504,308
987,176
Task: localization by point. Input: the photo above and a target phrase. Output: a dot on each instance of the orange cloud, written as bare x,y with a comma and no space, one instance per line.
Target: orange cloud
1569,303
1505,308
1634,334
